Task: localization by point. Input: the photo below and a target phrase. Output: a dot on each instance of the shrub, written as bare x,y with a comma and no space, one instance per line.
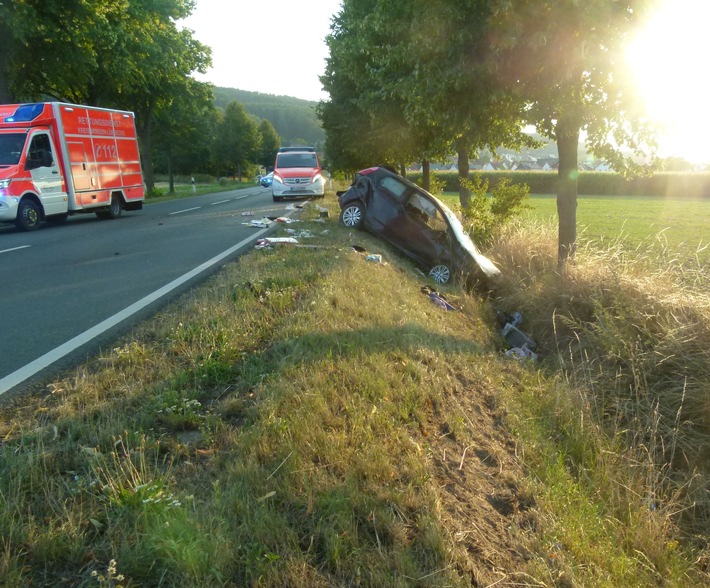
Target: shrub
154,193
491,208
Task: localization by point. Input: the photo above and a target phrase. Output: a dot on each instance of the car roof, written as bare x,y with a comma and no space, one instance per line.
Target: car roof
301,148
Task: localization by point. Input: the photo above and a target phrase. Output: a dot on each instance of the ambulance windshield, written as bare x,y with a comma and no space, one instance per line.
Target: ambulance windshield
11,145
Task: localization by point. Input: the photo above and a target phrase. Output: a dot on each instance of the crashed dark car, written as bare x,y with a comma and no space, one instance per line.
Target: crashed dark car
416,223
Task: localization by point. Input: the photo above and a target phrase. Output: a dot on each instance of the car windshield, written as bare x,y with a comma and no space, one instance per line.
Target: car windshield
297,160
11,145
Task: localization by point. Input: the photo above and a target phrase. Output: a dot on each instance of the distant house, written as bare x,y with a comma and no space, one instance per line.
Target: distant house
525,166
549,163
602,166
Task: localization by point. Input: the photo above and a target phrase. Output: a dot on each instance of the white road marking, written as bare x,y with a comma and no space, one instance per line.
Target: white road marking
220,202
186,210
15,248
34,367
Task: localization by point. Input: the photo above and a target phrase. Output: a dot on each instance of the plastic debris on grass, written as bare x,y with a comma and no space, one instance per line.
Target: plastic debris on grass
437,298
264,243
521,345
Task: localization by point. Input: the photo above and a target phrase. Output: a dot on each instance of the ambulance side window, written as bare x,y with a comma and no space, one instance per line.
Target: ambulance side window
40,152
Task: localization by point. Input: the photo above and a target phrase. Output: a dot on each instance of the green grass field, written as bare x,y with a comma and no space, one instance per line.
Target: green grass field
672,227
681,225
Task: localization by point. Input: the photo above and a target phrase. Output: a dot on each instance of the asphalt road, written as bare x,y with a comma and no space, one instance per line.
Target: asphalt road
65,290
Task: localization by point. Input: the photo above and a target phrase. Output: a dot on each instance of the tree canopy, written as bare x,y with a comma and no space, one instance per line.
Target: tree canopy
565,59
237,140
414,79
126,54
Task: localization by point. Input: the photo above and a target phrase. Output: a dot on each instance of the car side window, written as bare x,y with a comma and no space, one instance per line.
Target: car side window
426,212
395,188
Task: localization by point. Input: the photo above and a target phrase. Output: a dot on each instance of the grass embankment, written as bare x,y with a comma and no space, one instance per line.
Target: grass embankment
309,418
182,190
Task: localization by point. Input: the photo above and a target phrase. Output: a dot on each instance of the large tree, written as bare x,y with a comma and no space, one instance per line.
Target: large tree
237,141
270,143
409,81
565,59
125,54
183,131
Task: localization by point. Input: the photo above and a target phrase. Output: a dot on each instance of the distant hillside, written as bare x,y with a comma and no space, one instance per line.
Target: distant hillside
294,119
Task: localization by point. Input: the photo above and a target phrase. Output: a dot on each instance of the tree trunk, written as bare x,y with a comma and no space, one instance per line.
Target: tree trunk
426,175
464,192
144,132
171,176
5,40
567,134
402,170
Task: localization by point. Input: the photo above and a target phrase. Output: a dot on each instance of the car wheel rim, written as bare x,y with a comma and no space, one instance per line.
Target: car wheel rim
351,216
440,274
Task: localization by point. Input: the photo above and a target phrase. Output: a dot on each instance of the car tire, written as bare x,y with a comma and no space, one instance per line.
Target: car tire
29,215
352,215
440,273
277,198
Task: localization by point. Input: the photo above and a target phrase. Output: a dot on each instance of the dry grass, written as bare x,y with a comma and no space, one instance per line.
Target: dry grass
308,418
632,412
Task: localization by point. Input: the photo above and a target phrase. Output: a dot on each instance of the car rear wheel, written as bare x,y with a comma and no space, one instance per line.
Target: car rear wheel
440,273
352,215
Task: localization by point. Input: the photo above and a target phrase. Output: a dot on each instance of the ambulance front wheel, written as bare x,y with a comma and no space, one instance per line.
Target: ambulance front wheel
29,216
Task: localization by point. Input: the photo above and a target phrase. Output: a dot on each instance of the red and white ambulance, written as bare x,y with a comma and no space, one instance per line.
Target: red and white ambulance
60,159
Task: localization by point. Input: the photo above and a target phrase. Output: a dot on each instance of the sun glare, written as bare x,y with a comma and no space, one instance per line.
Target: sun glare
668,58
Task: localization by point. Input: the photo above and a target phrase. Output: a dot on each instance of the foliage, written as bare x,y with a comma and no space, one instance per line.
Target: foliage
490,209
270,143
182,131
565,59
294,119
408,82
126,54
237,141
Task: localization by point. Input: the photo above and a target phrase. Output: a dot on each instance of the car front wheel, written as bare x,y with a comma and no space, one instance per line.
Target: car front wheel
352,215
28,215
440,273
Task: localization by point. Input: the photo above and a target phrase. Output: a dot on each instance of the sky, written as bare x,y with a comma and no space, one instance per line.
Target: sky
268,46
669,59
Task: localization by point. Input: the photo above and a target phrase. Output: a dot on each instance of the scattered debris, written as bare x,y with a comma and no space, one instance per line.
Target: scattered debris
521,353
521,344
437,298
260,224
264,243
248,213
303,234
375,257
358,249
